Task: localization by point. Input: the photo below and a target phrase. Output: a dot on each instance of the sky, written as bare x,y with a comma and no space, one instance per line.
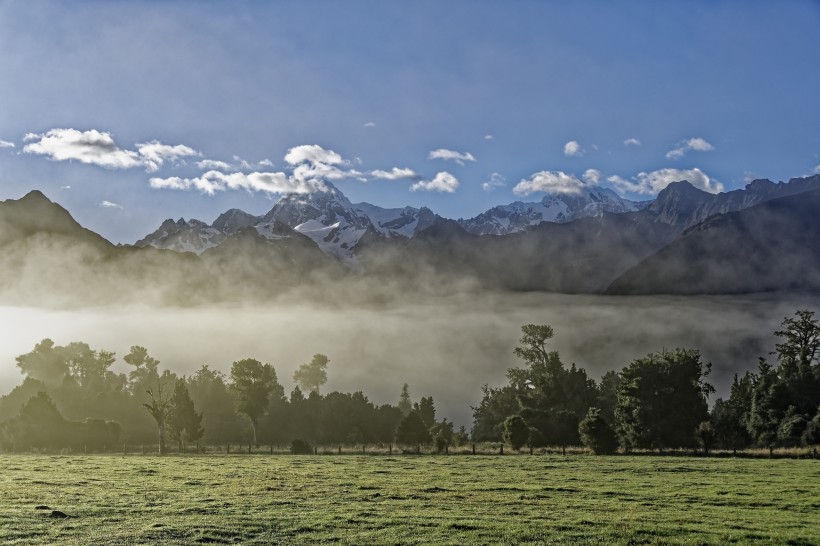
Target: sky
128,113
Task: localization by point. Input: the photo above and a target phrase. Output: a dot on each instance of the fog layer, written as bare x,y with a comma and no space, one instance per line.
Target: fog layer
447,347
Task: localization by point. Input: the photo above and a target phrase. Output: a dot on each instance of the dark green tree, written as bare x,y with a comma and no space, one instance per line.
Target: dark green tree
211,395
426,409
496,405
412,430
310,377
662,399
764,419
405,405
41,424
252,384
184,423
729,417
442,434
516,432
596,434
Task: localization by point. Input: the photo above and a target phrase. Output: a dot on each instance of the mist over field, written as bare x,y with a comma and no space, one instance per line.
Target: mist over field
445,346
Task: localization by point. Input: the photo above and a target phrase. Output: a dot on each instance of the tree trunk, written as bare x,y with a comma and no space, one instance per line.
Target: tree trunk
253,426
161,430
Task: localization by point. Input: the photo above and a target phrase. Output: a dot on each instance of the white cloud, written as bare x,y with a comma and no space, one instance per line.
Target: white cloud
266,163
6,144
696,144
98,148
65,187
396,174
369,125
549,182
321,171
653,182
110,205
154,154
211,165
91,147
816,170
443,182
213,181
313,153
494,181
632,142
489,137
458,157
592,177
573,149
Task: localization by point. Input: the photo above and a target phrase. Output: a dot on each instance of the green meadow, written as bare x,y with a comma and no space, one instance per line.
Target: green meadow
405,499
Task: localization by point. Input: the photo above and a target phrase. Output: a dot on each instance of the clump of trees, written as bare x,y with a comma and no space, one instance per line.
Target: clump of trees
659,401
69,396
780,404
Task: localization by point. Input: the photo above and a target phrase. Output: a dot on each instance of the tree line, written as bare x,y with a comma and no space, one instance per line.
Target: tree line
659,401
70,398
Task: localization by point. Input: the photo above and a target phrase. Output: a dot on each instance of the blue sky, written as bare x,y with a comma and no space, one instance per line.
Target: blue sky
108,106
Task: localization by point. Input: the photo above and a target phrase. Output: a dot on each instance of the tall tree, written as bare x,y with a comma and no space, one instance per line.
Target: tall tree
159,405
219,417
405,405
662,399
313,375
412,430
145,369
798,371
252,384
184,423
46,363
426,409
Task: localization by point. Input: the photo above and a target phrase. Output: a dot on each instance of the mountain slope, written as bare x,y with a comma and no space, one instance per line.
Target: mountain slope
682,205
774,245
47,258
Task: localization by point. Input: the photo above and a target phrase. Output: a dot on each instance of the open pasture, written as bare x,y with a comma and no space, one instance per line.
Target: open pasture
514,499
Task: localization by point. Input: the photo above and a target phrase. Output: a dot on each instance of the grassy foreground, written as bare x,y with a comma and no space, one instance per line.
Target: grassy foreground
116,499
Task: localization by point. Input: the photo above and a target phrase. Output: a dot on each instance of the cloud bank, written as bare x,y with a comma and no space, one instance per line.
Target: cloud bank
653,182
98,148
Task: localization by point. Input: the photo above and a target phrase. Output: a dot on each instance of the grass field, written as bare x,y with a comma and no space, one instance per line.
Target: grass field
135,499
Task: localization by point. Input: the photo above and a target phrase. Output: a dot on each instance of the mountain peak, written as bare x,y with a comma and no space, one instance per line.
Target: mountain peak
553,207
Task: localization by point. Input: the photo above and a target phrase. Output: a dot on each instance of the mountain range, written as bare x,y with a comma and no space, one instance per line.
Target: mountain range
686,241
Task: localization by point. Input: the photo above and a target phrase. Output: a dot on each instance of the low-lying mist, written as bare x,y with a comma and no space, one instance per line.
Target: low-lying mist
447,347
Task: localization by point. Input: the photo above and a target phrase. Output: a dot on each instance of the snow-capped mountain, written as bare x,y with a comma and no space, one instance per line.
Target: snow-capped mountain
559,208
184,236
328,218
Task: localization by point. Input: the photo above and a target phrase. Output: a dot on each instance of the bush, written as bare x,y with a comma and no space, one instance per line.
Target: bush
516,432
596,434
301,447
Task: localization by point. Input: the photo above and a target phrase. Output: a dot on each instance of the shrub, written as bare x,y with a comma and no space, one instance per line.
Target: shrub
596,434
301,447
